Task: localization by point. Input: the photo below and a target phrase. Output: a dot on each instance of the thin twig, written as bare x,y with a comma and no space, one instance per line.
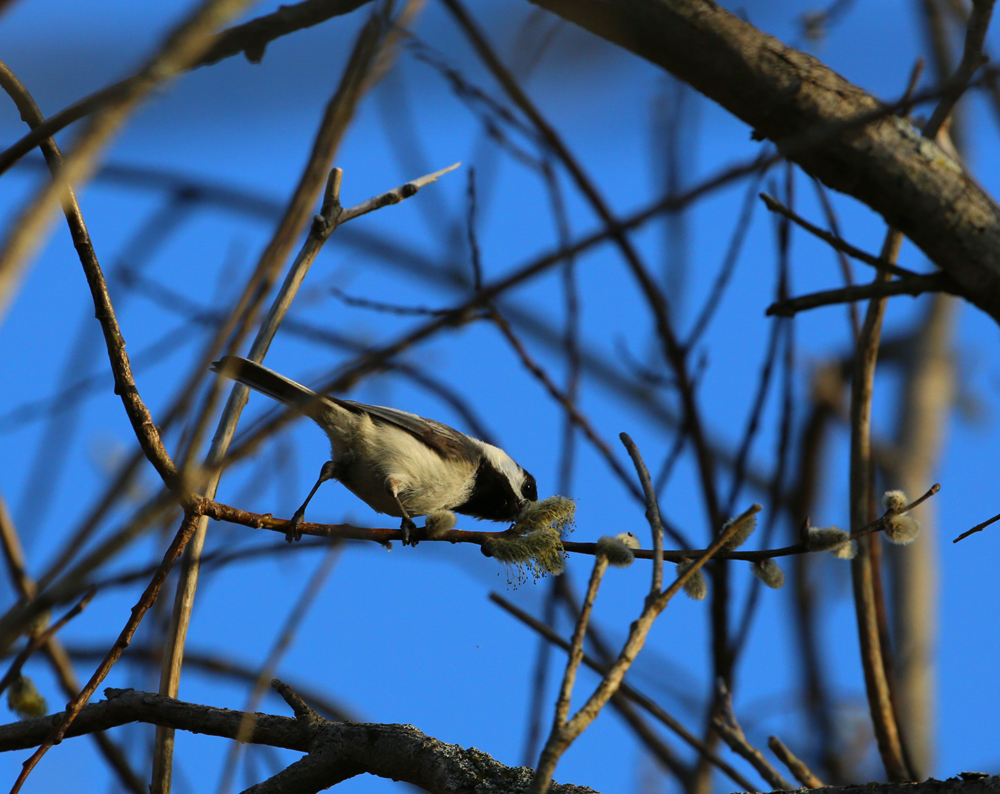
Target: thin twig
147,599
385,308
13,553
556,393
727,726
267,670
977,528
125,387
972,59
576,646
795,765
650,738
729,262
845,266
41,639
394,196
539,679
223,512
185,44
754,417
877,262
652,511
474,256
909,285
560,740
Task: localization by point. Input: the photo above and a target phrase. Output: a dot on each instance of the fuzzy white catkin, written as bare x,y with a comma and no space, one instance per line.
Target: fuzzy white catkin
894,500
628,539
742,534
902,529
826,538
615,552
555,511
538,552
846,552
769,573
696,587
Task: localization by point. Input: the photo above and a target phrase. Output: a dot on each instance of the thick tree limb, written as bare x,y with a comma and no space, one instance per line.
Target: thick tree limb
783,94
338,750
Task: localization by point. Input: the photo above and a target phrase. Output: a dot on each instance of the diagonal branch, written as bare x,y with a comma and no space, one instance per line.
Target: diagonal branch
142,421
835,242
784,94
183,46
972,58
628,692
911,285
250,37
564,734
727,726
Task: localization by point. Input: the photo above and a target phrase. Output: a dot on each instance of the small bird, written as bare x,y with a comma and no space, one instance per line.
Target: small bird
396,462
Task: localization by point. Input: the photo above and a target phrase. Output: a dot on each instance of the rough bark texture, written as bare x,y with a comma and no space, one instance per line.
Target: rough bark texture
335,751
783,93
339,750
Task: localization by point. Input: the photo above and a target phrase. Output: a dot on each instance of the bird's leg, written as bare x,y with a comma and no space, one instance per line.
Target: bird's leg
328,472
408,527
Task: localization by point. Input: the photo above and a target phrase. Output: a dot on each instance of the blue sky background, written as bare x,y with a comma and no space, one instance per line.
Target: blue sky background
409,636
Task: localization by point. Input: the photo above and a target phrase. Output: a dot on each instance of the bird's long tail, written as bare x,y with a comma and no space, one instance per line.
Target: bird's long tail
266,381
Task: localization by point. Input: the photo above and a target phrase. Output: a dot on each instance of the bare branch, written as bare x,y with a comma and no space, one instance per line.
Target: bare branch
652,511
884,163
183,46
795,765
561,739
339,750
41,639
142,421
861,501
338,115
729,729
977,528
877,262
972,59
910,285
629,692
383,536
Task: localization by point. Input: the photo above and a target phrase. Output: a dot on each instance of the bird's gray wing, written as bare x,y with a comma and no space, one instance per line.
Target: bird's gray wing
446,441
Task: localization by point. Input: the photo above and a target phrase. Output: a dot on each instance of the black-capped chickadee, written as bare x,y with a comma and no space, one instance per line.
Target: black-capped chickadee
396,462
